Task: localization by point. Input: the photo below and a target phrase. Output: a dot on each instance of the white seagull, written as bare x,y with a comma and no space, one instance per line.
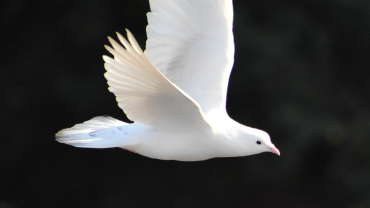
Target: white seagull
175,92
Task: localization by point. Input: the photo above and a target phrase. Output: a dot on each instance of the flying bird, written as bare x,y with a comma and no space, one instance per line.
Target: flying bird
175,91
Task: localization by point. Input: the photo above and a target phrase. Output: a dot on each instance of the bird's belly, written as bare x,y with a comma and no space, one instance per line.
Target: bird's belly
182,147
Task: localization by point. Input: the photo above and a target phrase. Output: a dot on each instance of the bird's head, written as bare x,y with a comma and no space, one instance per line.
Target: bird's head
258,141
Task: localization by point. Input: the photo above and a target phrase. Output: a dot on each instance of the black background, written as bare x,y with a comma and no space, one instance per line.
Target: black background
301,73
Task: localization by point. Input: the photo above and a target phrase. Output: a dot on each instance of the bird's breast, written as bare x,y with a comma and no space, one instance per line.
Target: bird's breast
182,147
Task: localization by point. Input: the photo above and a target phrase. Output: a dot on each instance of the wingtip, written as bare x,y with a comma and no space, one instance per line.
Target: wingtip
128,32
118,34
106,58
108,48
111,40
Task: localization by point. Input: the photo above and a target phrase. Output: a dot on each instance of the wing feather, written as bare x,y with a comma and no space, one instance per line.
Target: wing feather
191,43
145,95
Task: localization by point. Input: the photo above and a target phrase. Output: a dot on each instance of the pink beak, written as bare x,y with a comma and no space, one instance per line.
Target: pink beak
275,150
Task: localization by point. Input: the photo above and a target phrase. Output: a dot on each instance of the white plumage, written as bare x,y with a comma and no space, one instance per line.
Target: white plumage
175,92
191,43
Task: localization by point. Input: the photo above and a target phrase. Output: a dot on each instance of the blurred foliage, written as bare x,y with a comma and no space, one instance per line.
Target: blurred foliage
301,73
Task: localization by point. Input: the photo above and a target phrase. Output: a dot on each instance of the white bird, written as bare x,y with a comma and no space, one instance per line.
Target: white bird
175,92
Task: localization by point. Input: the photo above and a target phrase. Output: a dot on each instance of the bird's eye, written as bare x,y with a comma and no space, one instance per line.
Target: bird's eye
259,142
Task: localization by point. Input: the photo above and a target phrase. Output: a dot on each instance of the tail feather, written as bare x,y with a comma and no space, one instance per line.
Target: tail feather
99,132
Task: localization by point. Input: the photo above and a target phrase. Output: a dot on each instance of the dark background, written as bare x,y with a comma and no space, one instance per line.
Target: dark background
301,73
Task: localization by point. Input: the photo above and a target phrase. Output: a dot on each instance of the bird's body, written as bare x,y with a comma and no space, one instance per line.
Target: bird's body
175,92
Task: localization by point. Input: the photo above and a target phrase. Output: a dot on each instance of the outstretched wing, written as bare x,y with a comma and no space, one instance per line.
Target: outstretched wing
145,95
191,43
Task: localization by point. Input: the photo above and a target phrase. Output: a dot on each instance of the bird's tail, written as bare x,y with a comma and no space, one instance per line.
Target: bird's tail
99,132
